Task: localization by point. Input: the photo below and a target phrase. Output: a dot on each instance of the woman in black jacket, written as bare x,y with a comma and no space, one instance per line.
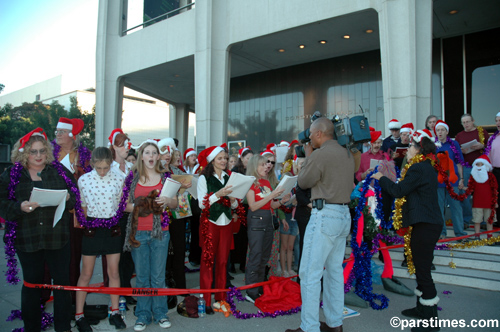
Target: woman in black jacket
421,212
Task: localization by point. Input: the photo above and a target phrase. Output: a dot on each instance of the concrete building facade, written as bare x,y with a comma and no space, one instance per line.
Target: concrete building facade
203,58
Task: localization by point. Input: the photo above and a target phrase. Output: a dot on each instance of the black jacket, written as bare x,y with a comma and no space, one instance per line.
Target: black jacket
420,187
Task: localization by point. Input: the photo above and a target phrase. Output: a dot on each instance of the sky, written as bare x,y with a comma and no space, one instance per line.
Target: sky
43,39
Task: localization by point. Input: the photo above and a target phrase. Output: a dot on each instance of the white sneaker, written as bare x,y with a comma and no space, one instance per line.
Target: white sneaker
285,274
164,323
292,273
139,326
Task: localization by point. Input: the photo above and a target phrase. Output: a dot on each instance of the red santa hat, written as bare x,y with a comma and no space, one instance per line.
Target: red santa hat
485,160
284,143
206,156
271,147
189,152
441,123
394,124
166,142
75,126
419,134
242,150
266,152
498,114
35,132
372,129
294,142
113,135
407,128
375,135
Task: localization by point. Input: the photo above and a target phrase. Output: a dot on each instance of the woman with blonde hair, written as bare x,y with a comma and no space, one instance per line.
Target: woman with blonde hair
261,201
36,239
150,257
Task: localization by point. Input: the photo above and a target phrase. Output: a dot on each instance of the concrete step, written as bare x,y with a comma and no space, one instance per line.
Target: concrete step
475,267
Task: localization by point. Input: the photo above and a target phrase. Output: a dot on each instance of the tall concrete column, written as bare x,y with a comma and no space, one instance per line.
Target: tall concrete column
212,75
406,53
179,124
109,87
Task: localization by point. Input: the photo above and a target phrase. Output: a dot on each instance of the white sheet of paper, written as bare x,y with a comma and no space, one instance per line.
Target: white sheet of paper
287,183
374,163
67,163
241,184
281,152
49,197
170,188
194,187
468,146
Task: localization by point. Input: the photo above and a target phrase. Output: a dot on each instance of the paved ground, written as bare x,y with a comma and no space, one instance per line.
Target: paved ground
462,303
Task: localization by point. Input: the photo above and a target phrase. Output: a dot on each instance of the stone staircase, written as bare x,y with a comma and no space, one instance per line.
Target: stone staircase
475,267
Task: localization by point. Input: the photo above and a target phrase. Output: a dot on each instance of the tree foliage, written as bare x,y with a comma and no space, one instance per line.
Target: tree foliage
15,122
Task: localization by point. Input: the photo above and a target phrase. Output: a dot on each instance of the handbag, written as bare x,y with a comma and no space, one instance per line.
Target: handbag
184,209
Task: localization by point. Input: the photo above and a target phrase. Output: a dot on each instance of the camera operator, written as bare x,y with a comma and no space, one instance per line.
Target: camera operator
329,172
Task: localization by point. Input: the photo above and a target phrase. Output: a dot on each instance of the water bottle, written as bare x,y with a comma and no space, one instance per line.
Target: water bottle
201,306
122,306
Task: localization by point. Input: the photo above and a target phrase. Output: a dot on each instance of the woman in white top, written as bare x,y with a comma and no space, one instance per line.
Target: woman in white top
120,144
191,165
216,233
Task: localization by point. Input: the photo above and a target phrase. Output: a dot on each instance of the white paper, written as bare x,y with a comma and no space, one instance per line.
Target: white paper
193,190
48,197
67,163
374,163
287,183
281,152
240,184
170,188
467,147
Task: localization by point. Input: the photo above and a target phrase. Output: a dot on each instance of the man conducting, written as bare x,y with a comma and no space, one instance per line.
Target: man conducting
329,172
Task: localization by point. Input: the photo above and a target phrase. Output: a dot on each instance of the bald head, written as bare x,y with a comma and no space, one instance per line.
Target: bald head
324,125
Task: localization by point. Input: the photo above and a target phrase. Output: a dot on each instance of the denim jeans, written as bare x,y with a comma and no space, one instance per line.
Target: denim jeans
150,260
466,203
324,246
455,209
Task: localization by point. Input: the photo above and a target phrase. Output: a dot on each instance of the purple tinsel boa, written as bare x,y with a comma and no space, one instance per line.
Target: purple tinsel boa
240,315
487,150
456,153
47,319
83,152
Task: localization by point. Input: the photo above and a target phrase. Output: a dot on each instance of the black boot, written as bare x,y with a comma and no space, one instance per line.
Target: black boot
416,311
429,312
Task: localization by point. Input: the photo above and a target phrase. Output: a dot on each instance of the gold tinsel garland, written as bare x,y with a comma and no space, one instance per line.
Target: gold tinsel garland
480,133
398,212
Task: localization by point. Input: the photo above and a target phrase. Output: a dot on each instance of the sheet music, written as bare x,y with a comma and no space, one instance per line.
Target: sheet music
170,188
287,183
49,197
241,184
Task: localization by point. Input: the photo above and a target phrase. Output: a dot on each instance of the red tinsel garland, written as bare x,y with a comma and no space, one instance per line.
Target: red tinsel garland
208,253
470,189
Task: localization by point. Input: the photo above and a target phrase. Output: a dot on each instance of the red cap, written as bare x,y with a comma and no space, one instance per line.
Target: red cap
189,152
35,132
375,135
242,150
441,123
75,125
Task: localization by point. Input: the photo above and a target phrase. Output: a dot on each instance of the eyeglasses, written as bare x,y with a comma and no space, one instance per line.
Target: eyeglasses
36,152
61,132
270,162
